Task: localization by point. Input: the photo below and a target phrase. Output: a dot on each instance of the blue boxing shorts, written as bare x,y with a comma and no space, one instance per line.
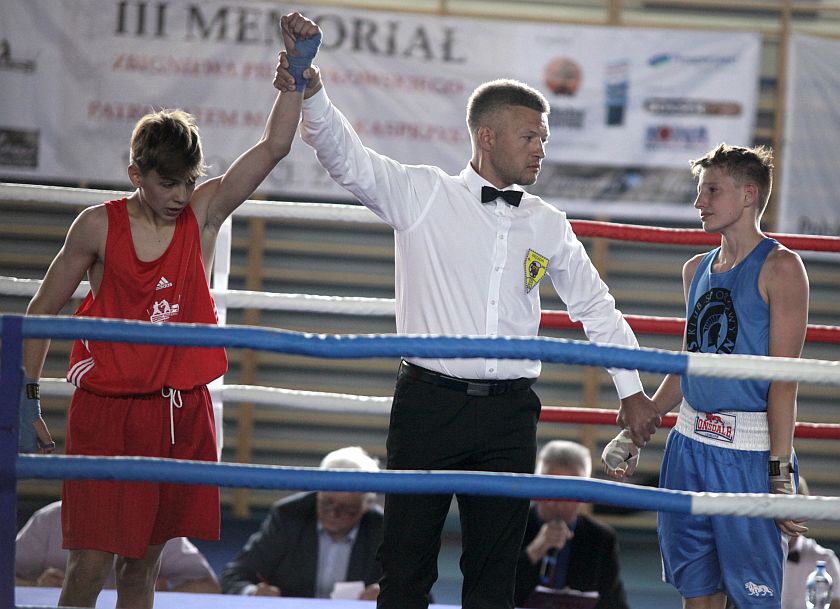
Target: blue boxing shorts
722,452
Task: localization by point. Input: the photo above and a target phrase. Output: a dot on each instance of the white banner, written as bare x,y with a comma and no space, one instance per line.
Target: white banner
809,193
77,74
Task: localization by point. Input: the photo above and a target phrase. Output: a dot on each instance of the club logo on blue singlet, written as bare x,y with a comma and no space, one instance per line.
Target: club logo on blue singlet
712,326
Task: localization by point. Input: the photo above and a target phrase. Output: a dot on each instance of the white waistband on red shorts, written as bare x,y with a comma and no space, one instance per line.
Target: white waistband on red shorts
737,429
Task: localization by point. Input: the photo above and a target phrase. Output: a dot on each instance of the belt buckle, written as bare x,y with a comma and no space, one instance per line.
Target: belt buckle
481,390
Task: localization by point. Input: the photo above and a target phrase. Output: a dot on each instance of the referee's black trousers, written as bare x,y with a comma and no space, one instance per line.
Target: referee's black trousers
442,428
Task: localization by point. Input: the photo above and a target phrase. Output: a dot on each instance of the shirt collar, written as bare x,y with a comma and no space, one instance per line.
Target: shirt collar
474,182
349,538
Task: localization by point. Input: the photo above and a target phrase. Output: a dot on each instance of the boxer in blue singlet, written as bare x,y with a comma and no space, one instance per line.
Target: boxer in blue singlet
748,296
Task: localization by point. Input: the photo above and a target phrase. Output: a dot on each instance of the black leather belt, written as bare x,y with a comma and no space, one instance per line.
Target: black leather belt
476,388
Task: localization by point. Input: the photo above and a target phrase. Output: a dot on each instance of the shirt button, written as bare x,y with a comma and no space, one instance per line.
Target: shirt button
501,236
492,370
498,268
493,302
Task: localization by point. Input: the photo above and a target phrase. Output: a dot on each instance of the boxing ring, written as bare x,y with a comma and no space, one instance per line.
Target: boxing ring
15,328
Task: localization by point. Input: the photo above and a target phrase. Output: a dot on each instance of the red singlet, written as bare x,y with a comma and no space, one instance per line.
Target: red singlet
172,288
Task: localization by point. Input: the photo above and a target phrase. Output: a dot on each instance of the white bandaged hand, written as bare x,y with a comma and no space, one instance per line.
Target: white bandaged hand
781,476
620,456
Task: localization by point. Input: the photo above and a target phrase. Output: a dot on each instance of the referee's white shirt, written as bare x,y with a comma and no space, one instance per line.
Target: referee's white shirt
462,266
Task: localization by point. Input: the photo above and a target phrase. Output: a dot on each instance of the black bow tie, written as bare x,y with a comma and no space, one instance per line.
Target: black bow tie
793,556
488,193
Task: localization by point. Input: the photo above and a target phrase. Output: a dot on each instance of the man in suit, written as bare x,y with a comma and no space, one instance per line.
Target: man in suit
309,542
564,548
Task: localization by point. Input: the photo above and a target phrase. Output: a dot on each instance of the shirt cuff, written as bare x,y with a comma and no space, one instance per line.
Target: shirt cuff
248,590
316,106
627,382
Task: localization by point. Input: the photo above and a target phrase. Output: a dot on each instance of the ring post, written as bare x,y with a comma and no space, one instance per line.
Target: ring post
10,379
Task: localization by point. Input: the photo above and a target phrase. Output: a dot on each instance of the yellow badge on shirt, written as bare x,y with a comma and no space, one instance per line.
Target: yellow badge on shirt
535,265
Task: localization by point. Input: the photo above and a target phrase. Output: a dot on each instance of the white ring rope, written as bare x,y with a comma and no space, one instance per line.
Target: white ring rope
758,367
31,193
293,399
269,301
765,505
309,303
320,401
328,212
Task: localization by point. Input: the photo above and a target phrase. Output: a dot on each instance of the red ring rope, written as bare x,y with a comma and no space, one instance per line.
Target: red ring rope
692,236
674,326
603,416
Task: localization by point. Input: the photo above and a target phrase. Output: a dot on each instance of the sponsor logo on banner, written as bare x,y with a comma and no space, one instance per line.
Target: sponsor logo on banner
715,425
663,59
562,76
676,137
682,106
567,118
617,90
19,148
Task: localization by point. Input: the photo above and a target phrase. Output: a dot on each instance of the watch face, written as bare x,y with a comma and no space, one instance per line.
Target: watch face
774,468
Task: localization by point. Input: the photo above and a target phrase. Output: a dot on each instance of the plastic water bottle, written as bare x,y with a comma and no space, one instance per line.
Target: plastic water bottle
818,588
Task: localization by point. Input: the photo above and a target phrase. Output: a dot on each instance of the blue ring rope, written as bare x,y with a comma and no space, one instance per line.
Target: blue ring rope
347,346
236,475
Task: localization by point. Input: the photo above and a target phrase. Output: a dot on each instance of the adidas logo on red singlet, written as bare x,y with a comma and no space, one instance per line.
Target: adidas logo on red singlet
162,284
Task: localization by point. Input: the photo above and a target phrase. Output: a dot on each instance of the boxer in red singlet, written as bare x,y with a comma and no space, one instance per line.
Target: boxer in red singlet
148,257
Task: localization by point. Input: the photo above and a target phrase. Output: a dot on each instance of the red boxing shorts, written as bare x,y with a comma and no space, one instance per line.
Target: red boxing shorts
125,518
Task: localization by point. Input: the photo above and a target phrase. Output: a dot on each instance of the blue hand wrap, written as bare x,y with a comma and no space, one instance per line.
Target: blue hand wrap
29,411
306,50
